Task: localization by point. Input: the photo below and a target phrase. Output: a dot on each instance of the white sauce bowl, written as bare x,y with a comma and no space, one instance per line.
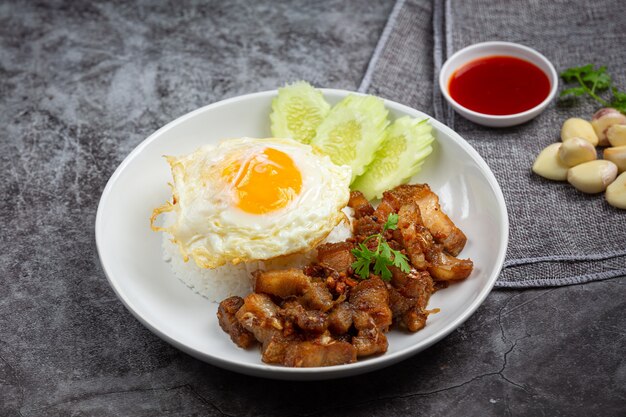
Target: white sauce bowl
485,49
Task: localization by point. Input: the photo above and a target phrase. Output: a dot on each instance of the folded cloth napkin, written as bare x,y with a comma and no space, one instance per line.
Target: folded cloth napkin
558,235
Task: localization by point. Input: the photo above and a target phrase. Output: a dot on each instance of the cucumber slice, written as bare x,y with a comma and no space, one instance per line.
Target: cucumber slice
406,144
352,132
297,111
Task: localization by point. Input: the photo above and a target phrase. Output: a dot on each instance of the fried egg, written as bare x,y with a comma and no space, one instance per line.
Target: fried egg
253,199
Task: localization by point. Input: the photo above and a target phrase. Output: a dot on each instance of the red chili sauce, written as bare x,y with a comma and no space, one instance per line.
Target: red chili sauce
499,85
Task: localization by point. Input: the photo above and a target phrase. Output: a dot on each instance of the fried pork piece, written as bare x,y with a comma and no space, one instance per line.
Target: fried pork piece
415,284
408,297
281,283
274,351
370,296
319,353
438,223
385,208
422,250
411,230
317,297
366,226
316,271
369,340
340,318
311,321
360,205
302,354
336,256
446,267
229,323
268,323
259,315
371,315
294,283
401,307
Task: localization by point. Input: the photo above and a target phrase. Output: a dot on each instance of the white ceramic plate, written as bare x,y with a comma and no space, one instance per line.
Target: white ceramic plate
131,253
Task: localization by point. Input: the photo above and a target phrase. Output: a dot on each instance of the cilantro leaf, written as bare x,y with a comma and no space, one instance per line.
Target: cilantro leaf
383,257
363,259
391,223
380,267
362,267
570,74
591,81
597,79
575,91
400,260
364,252
385,251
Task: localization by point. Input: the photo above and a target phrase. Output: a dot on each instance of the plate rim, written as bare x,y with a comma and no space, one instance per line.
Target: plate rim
318,373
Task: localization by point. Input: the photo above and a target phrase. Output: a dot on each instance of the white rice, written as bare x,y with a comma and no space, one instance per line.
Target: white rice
229,280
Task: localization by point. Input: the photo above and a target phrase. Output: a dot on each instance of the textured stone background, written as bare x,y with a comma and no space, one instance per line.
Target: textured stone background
81,84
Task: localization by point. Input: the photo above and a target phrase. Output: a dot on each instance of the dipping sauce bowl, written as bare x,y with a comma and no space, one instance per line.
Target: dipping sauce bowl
498,84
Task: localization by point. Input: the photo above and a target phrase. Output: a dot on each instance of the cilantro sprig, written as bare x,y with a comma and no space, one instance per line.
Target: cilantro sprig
383,257
593,82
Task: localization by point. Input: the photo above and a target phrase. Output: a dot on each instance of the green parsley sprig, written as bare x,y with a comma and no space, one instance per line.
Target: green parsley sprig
383,257
592,82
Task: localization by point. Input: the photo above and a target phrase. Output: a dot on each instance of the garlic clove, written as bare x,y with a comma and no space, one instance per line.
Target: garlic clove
616,192
575,151
593,176
548,164
617,155
578,128
616,135
602,120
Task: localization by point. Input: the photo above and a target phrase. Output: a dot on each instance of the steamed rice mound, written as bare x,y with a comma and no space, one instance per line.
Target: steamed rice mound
230,280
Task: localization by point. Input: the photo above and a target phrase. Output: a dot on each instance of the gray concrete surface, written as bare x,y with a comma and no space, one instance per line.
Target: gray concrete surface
81,84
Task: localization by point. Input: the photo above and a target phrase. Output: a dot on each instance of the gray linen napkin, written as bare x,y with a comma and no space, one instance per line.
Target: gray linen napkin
558,235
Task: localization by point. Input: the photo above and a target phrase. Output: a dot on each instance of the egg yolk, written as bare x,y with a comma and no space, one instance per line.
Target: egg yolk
264,182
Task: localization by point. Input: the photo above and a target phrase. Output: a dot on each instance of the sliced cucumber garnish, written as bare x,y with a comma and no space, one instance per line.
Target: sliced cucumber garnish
297,111
352,132
405,146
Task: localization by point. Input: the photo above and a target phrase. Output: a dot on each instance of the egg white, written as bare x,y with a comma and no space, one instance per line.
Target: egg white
213,231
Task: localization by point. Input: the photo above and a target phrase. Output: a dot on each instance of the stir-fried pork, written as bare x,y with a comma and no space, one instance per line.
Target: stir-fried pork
229,323
372,316
412,234
259,315
312,321
446,267
281,283
325,314
336,256
408,297
370,296
317,297
367,226
340,318
423,252
318,353
369,340
360,205
442,228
